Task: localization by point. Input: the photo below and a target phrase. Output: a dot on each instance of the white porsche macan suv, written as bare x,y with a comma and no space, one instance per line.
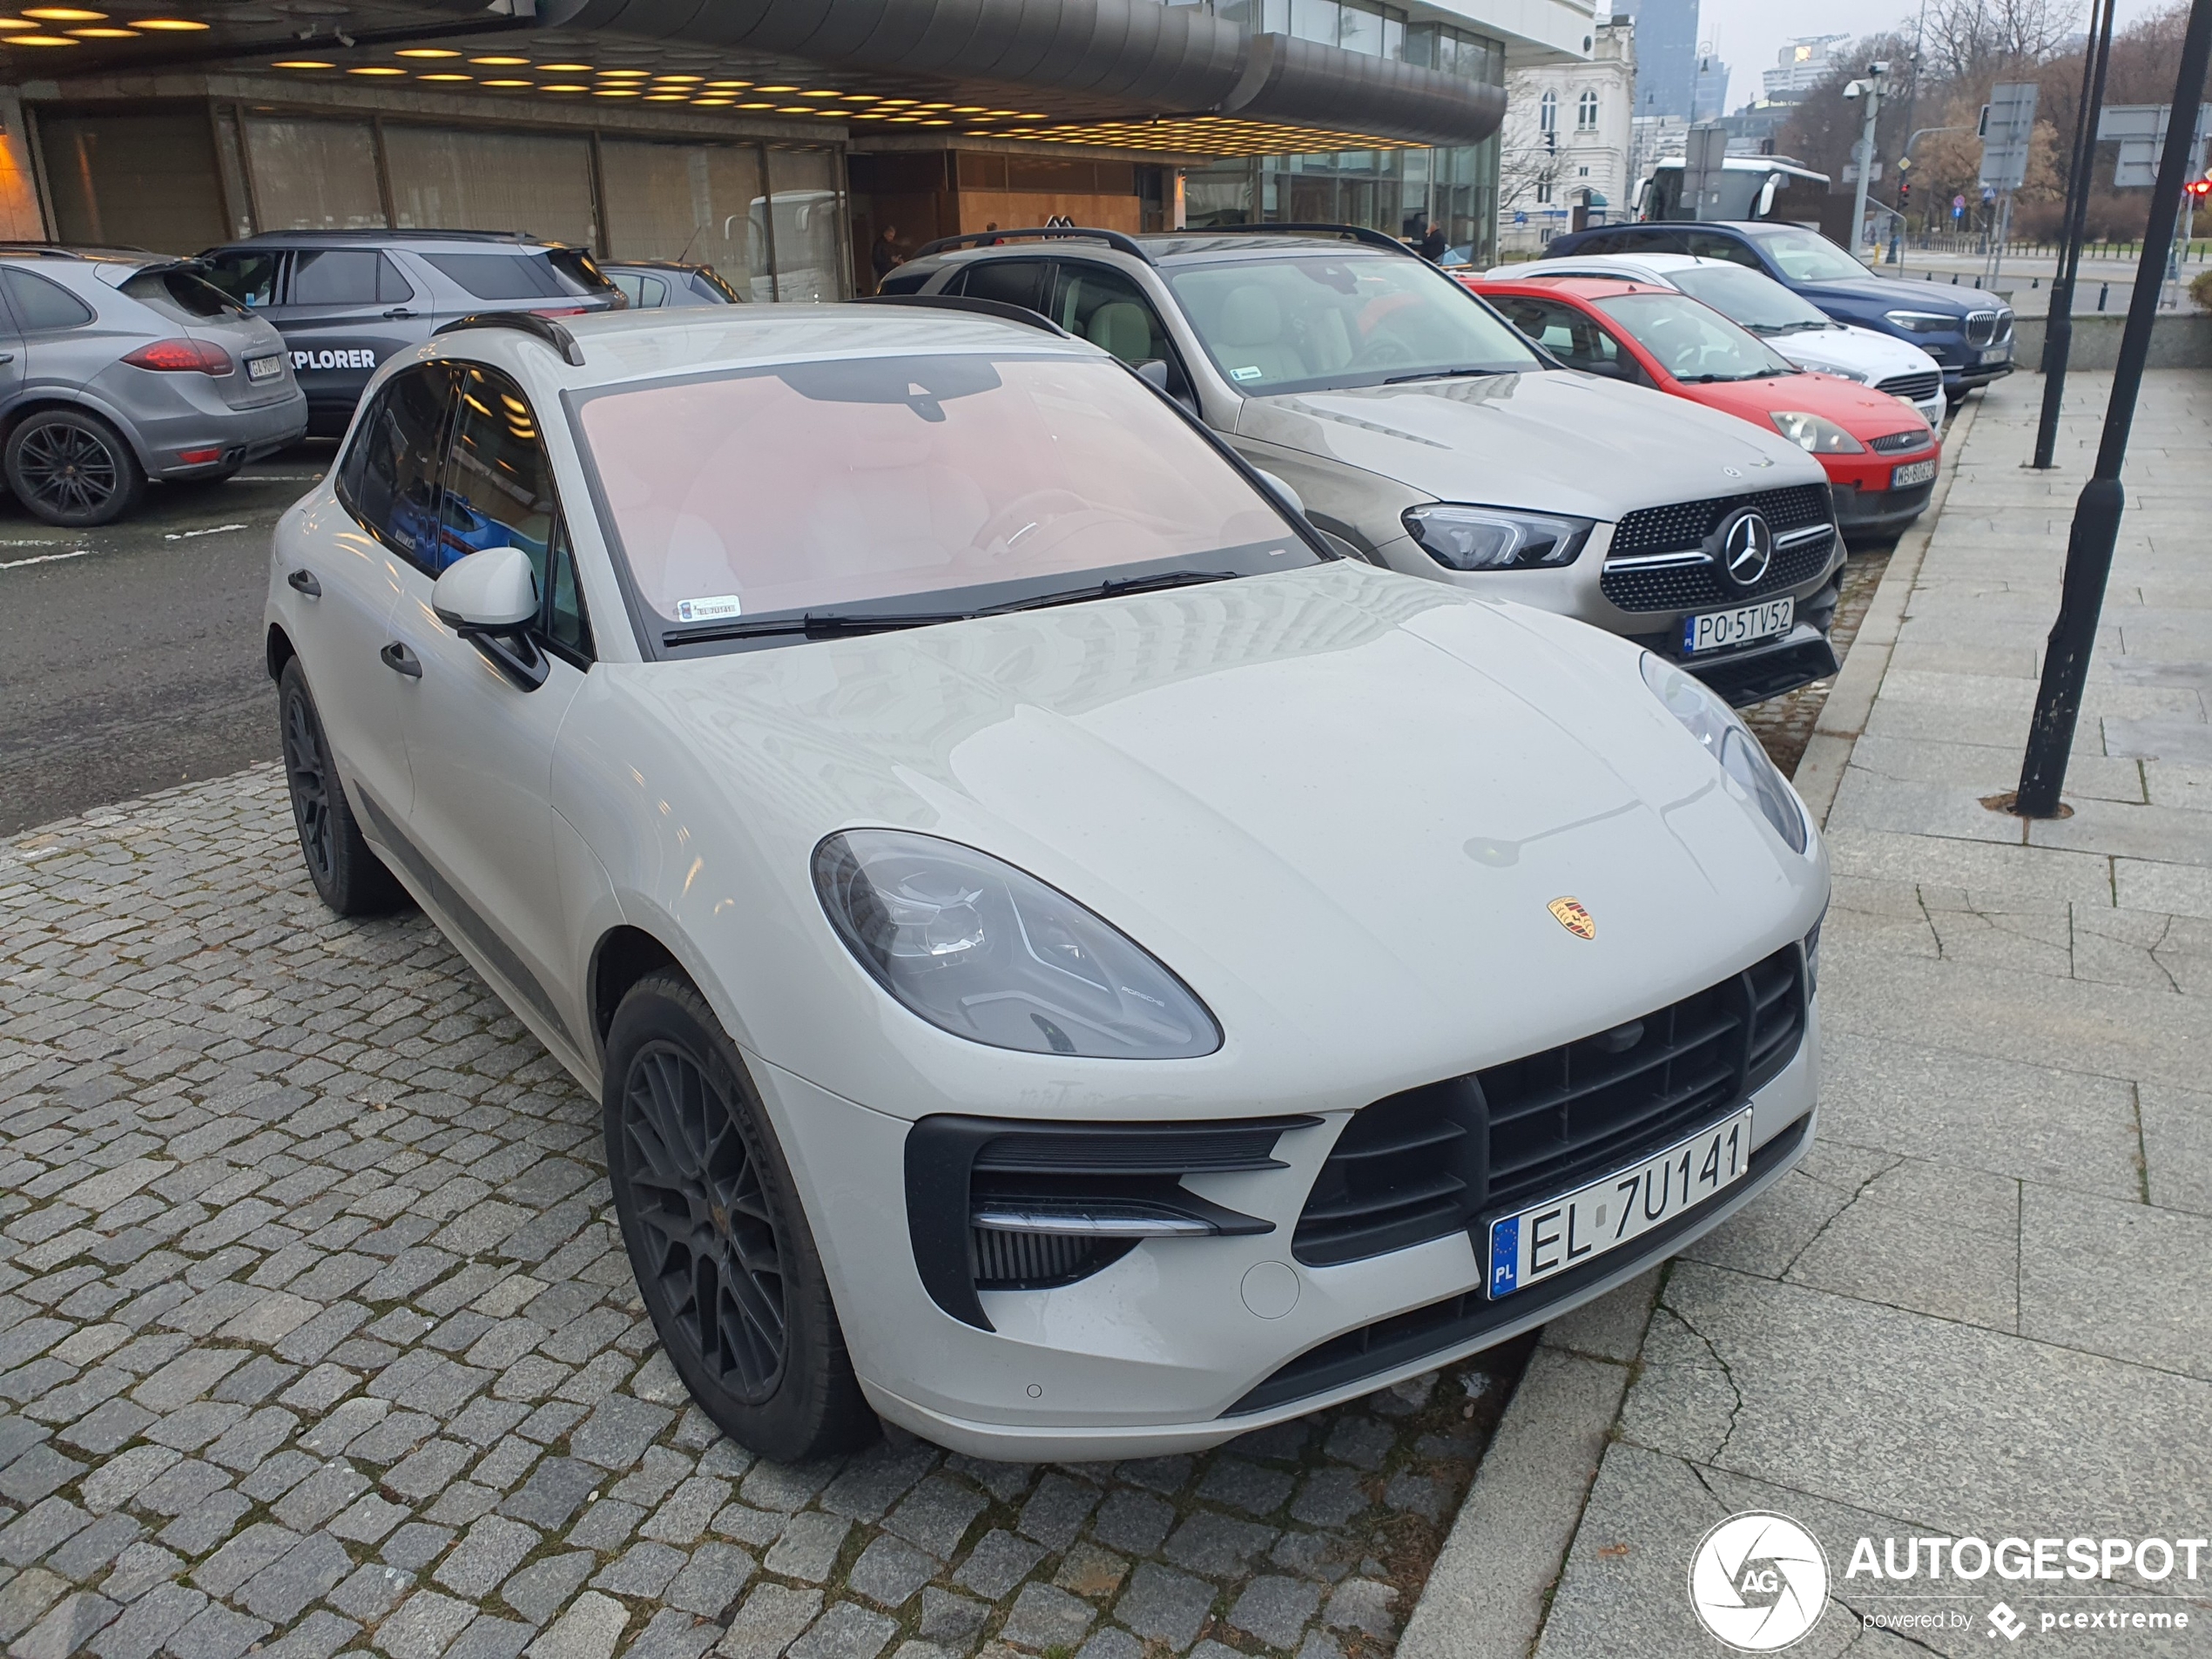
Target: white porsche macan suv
1070,964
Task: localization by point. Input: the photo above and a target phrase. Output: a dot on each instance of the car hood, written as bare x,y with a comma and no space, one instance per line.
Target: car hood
1905,296
1862,350
1338,802
1860,410
1531,440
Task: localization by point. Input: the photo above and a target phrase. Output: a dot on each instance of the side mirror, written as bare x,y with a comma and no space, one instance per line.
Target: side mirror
1606,368
1288,496
492,591
489,598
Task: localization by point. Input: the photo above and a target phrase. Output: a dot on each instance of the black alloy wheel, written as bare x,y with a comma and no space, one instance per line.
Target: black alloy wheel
711,1240
711,1218
72,469
347,875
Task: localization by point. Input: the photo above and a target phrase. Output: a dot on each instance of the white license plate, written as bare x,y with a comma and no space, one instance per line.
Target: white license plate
1718,627
264,368
1563,1232
1998,355
1911,473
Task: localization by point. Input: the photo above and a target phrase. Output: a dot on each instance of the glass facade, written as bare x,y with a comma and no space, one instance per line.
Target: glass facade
1401,192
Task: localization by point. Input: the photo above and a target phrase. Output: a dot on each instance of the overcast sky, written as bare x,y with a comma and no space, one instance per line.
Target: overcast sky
1749,32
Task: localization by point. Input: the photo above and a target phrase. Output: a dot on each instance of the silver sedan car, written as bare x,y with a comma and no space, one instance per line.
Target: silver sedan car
117,367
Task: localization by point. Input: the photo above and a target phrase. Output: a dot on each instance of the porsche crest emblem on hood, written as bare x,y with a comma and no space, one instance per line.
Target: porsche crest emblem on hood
1572,915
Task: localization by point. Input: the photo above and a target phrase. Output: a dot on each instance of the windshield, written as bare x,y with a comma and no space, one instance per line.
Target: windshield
917,485
1314,321
1805,256
1752,298
1693,342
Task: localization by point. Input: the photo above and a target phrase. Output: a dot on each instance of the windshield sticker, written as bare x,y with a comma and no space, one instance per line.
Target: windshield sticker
715,608
1248,373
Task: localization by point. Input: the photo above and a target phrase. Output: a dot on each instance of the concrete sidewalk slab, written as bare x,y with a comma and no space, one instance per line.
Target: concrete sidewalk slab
1980,1308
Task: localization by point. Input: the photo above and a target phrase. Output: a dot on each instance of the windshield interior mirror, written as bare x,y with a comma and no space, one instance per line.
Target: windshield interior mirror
489,598
1288,496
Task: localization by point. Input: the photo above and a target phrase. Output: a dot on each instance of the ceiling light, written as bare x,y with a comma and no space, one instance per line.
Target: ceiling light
898,100
303,63
756,106
504,83
729,85
614,91
779,89
623,75
710,103
179,23
820,94
425,51
667,97
968,108
105,34
64,14
936,124
515,63
795,109
41,40
16,23
376,69
564,89
673,80
445,78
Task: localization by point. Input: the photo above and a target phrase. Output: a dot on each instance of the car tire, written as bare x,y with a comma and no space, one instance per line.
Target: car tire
717,1237
348,875
69,467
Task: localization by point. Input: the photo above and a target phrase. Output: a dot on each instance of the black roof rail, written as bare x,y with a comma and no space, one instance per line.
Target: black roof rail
973,303
1115,239
529,322
1354,232
408,235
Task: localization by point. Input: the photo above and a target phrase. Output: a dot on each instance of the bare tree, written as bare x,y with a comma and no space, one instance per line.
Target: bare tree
1969,39
1528,157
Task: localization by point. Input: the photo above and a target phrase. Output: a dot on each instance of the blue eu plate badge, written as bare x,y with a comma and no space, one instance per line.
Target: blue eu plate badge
1505,1256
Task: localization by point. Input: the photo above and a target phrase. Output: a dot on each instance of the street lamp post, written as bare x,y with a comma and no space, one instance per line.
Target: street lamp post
1904,163
1869,90
2096,514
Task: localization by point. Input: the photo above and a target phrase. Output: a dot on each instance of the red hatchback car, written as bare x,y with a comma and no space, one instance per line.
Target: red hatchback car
1880,453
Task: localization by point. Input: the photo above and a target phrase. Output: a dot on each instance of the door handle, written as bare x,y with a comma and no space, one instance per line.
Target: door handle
304,581
397,312
7,357
401,660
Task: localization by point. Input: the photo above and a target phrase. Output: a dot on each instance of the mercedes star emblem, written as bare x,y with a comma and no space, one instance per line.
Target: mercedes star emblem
1745,549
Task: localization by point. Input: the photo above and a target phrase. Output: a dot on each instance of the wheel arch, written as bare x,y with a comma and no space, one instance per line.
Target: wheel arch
624,955
280,650
41,400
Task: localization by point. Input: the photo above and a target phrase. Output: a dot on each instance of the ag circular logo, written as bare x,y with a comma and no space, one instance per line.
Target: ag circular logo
1745,548
1758,1581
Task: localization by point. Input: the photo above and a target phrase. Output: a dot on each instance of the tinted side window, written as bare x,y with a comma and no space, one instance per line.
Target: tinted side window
334,277
499,493
389,479
40,303
1014,282
247,276
1710,245
507,275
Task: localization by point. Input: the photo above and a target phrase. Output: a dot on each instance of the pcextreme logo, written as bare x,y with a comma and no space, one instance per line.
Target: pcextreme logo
1758,1581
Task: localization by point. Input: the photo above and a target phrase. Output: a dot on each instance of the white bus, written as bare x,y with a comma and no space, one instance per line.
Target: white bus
1772,187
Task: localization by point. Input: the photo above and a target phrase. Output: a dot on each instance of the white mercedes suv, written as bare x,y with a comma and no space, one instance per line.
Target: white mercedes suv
1070,964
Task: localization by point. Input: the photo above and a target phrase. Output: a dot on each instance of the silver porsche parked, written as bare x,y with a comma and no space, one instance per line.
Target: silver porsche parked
117,366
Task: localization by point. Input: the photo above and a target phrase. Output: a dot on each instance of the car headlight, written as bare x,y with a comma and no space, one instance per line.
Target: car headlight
990,953
1839,373
1708,720
1924,322
1814,435
1496,538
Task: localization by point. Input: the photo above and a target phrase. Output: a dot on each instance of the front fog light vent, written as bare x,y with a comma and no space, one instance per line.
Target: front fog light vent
995,1205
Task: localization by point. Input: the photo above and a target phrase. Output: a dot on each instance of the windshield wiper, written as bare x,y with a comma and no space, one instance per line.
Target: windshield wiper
1443,375
824,624
1113,589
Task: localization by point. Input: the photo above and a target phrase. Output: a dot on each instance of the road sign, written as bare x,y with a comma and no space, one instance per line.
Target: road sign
1958,207
2141,129
2007,127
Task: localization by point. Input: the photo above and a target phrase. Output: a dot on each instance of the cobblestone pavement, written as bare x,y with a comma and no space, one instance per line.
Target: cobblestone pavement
1784,724
316,1334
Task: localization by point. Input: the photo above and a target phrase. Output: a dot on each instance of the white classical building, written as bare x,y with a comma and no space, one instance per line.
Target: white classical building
1567,140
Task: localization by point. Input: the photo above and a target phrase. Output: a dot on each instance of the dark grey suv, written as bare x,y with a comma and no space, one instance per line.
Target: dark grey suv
117,366
344,300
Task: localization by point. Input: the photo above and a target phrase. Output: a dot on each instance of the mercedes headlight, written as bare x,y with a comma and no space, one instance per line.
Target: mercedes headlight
1923,322
989,953
1496,538
1708,720
1814,435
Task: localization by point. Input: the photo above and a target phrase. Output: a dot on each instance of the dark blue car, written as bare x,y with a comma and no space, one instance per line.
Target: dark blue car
1968,332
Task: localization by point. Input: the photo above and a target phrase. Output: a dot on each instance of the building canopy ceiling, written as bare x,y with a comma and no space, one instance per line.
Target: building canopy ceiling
1125,74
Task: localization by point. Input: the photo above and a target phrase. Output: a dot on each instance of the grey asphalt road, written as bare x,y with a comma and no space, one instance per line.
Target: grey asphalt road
130,654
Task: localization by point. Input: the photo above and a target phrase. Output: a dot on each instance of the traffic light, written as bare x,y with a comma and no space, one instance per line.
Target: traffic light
1903,192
